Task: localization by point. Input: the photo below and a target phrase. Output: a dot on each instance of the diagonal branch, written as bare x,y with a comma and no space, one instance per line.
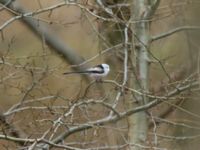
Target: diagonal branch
171,32
51,38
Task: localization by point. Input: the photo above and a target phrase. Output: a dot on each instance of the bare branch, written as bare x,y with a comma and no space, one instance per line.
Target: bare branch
173,31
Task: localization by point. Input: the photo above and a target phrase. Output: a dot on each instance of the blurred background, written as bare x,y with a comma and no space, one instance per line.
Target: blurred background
34,93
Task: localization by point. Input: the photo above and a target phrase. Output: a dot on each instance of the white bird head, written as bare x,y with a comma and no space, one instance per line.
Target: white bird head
106,68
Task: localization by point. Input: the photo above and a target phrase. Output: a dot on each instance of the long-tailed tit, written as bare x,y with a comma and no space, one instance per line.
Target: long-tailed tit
98,72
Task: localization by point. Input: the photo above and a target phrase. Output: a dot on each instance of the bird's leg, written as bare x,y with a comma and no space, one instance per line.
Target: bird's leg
98,79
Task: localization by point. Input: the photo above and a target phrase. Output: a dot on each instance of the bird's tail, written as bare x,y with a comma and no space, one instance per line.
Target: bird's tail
76,72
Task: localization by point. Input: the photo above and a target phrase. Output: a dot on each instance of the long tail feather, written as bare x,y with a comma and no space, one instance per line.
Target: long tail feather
77,72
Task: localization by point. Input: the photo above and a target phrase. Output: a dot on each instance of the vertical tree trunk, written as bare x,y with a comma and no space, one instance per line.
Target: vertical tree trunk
137,20
141,11
138,123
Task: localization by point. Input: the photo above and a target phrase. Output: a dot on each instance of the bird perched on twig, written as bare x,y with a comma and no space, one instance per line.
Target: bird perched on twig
97,72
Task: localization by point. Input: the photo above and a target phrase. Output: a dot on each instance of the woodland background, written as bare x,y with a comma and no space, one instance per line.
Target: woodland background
150,99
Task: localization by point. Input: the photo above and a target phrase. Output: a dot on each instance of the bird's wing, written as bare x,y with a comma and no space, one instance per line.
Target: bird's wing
97,70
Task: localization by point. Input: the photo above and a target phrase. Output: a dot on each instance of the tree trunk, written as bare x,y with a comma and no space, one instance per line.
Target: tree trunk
141,11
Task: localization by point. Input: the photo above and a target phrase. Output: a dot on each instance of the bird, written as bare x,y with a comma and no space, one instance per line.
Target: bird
97,72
